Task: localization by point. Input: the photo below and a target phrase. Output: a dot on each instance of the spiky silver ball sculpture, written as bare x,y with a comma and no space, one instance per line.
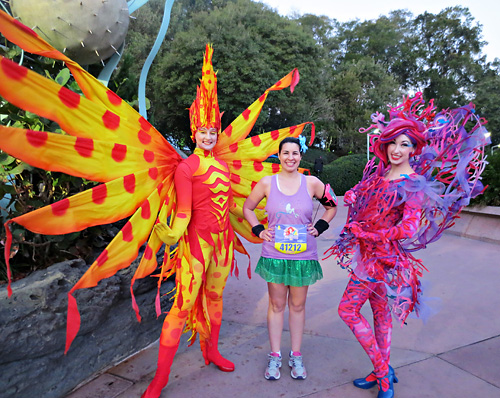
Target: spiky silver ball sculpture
87,31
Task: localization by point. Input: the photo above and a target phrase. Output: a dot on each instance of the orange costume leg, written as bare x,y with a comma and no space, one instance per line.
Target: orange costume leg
217,274
173,325
189,285
189,282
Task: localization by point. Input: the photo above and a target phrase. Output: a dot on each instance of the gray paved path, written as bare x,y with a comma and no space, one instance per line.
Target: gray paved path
455,354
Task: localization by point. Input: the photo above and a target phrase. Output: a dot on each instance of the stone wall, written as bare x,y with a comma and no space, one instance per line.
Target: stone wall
33,329
482,223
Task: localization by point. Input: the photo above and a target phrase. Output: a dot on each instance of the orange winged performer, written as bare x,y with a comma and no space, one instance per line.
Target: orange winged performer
197,201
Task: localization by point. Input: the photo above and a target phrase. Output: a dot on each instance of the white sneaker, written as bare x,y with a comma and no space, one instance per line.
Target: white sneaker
273,367
298,370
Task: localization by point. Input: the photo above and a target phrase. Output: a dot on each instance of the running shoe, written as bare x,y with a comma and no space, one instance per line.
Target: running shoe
273,367
298,371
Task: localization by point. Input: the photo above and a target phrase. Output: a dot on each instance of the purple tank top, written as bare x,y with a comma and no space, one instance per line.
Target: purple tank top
285,210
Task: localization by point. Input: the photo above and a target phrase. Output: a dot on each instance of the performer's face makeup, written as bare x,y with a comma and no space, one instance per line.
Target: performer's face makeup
399,150
206,138
290,156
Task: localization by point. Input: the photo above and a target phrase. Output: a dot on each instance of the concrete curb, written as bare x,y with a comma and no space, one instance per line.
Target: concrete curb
481,223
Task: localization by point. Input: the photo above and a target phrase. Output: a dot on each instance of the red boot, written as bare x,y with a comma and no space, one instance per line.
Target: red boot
211,352
165,359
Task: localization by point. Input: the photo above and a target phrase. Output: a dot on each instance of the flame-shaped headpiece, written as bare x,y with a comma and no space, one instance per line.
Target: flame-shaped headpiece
204,111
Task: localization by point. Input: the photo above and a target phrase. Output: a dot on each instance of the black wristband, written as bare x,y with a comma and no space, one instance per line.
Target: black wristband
256,230
321,226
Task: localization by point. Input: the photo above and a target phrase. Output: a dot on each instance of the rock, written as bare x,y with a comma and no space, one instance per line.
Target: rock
33,328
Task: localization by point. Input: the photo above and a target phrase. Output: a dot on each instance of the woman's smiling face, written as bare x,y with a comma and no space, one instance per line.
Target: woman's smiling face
206,138
290,156
399,150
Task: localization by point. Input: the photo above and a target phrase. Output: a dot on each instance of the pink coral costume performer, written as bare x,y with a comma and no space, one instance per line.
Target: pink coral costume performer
429,169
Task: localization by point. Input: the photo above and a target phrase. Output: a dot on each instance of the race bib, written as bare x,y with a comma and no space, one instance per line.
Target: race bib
290,239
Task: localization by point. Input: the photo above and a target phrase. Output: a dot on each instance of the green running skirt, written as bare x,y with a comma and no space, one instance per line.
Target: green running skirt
289,272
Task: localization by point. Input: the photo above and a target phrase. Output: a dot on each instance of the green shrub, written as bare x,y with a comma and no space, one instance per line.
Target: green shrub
491,179
313,153
344,173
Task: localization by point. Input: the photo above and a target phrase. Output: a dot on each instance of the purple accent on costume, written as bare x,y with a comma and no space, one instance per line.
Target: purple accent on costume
289,209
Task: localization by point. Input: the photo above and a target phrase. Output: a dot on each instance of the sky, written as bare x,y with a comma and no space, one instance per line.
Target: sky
485,12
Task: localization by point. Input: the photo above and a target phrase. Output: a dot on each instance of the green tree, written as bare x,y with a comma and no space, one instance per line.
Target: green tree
487,99
449,56
253,48
358,89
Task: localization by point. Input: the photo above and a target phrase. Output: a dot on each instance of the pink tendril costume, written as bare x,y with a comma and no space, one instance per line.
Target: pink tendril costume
388,220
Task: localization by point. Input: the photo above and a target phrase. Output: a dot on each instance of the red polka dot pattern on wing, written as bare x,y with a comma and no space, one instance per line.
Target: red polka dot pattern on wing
99,194
275,168
246,114
229,130
145,125
235,178
127,234
37,138
103,257
256,141
146,210
111,120
144,137
148,156
119,152
153,173
258,166
13,70
60,208
113,98
129,183
148,253
237,164
275,134
84,146
233,147
69,98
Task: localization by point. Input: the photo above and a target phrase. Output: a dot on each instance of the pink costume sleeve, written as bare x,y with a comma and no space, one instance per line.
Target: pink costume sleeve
409,224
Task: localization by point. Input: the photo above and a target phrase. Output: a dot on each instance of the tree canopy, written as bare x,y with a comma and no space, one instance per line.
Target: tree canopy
348,70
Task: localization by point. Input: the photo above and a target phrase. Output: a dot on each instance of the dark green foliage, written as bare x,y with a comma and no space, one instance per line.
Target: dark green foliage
313,153
344,173
490,178
253,48
487,100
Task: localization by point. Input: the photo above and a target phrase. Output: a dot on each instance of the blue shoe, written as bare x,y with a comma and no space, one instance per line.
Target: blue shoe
385,386
366,382
370,381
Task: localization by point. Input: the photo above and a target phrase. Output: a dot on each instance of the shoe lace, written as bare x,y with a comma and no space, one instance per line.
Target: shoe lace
297,362
274,362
